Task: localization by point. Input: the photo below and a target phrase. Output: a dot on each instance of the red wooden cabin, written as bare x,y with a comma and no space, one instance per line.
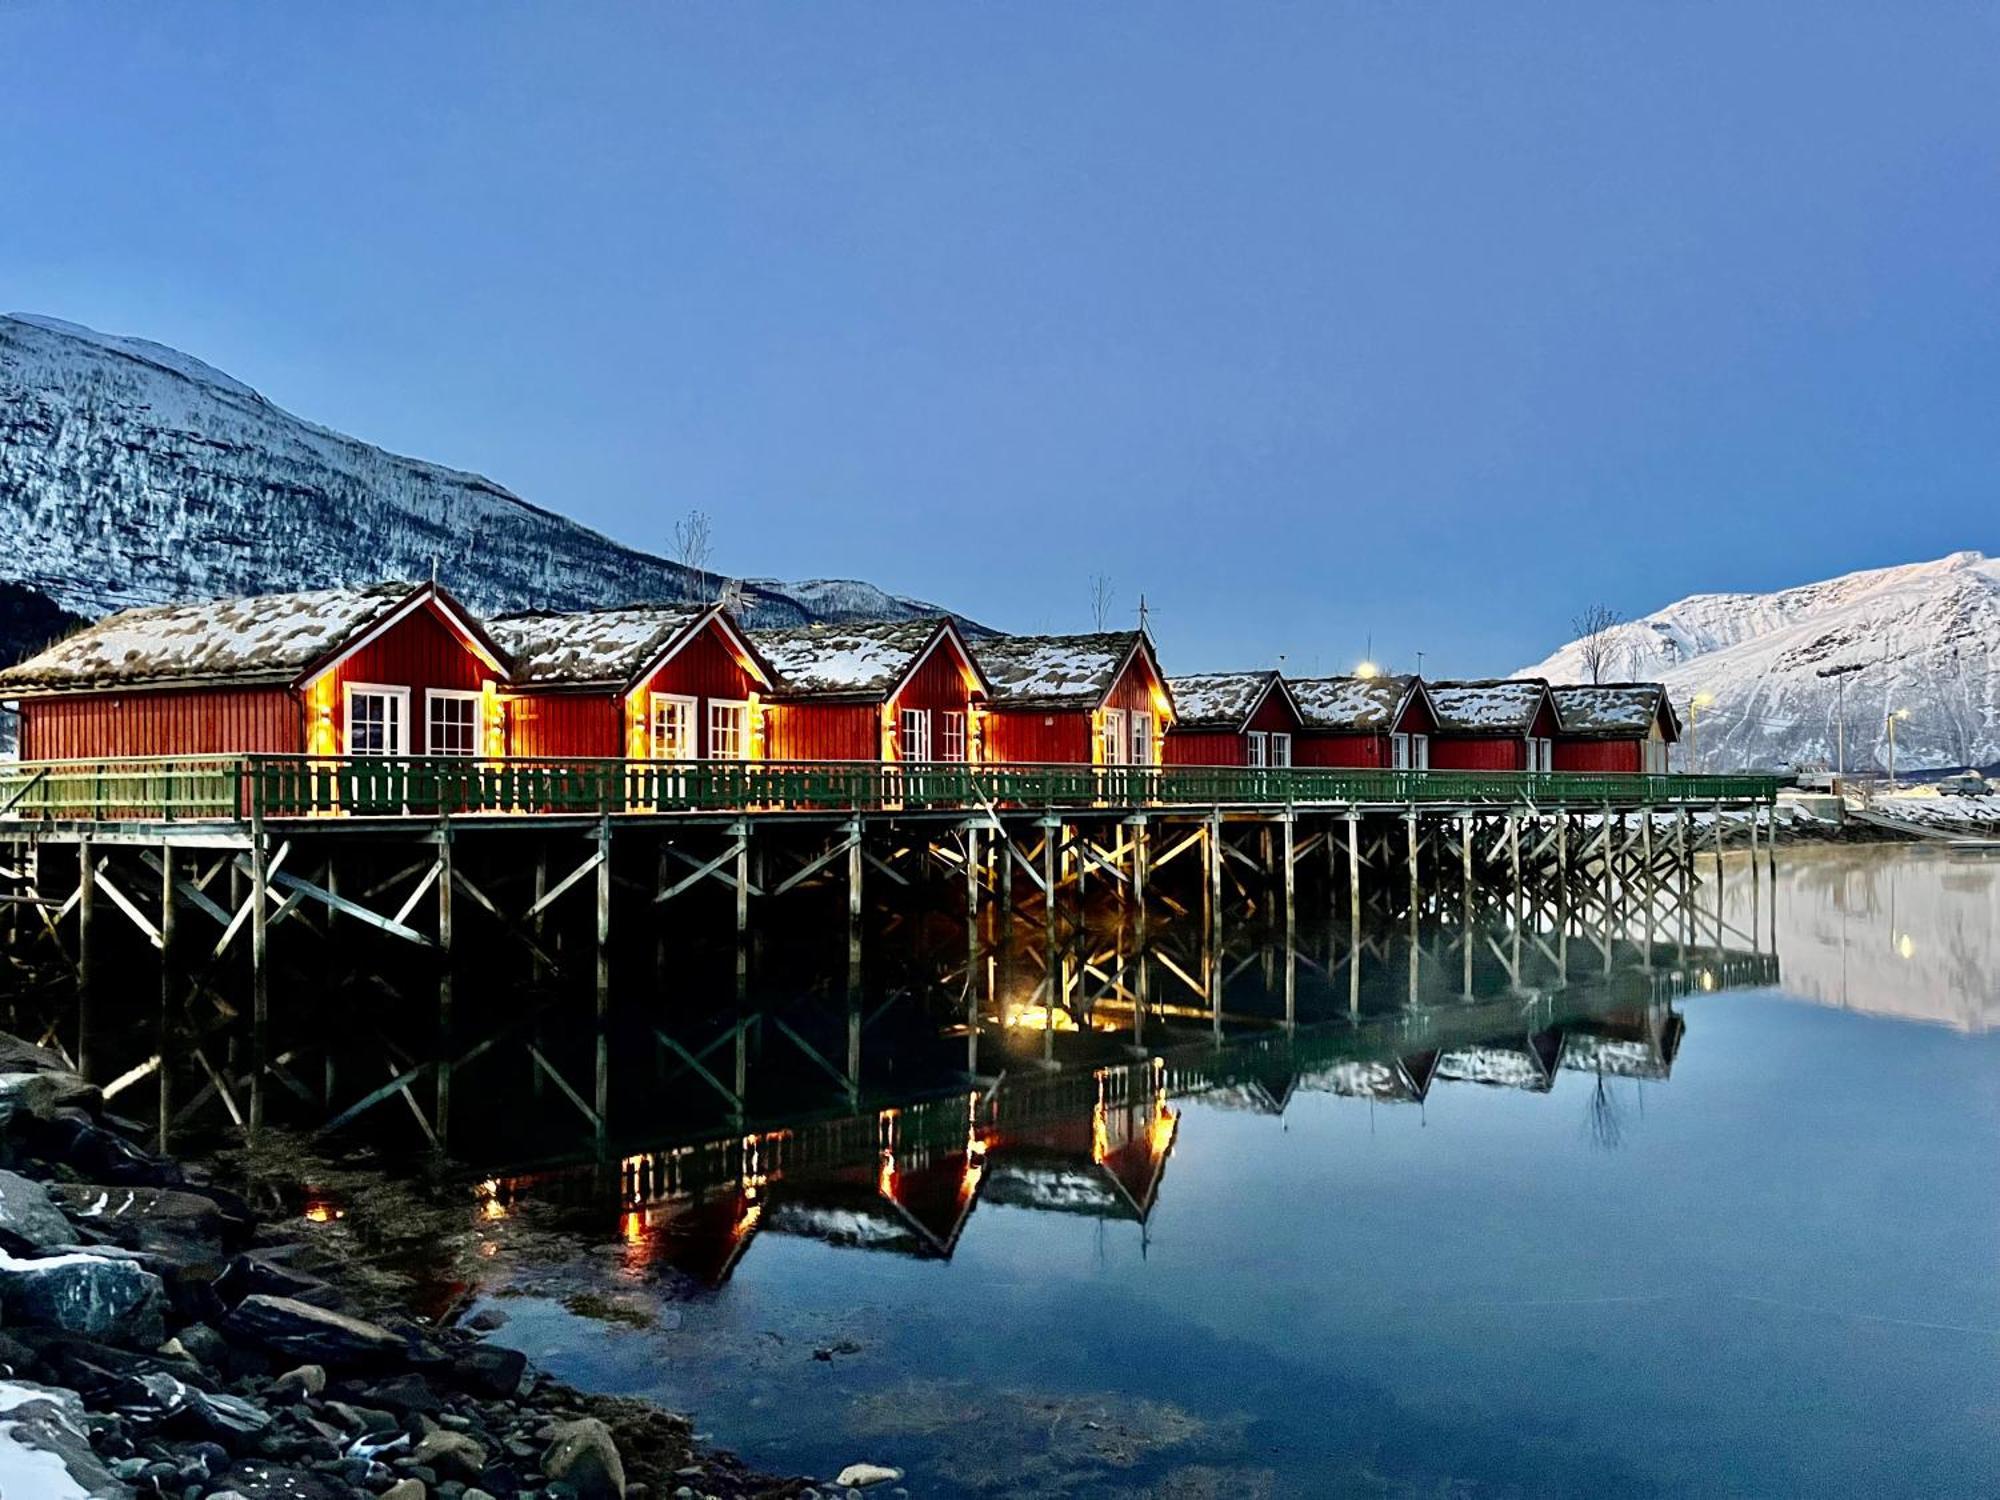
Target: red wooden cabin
1369,722
1507,725
1232,719
1075,699
1614,726
642,682
906,690
388,669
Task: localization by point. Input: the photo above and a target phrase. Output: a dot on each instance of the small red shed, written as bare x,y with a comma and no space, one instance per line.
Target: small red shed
1381,722
1232,719
641,682
1494,725
1075,699
905,690
386,669
1614,726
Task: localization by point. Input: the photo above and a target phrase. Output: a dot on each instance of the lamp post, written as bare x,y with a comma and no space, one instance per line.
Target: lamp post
1901,713
1695,705
1839,676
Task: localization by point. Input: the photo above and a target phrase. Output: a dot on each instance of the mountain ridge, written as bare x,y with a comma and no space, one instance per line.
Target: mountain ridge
1795,671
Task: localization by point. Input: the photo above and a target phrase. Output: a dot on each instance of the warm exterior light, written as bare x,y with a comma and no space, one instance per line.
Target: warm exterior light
1702,700
1367,669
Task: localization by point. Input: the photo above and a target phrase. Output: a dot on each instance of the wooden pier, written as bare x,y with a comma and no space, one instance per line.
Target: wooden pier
583,871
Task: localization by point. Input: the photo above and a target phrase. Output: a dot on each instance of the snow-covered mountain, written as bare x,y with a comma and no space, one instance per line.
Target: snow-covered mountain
1923,639
131,473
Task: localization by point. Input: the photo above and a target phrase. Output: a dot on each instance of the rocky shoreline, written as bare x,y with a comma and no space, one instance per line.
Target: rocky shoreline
158,1339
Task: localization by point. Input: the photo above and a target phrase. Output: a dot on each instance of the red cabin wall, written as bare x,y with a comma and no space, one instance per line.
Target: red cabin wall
182,721
1599,755
1206,747
569,726
1038,736
1416,719
1478,753
1362,751
942,683
823,731
418,652
704,669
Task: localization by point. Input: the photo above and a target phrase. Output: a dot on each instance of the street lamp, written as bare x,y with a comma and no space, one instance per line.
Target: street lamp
1367,669
1839,676
1901,713
1695,705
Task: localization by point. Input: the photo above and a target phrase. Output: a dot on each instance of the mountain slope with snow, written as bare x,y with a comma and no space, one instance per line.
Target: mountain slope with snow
131,473
1923,638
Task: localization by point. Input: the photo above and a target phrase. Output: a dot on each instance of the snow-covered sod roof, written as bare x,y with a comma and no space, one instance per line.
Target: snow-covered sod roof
1608,708
1057,671
845,660
599,646
268,638
1218,699
1357,704
1494,707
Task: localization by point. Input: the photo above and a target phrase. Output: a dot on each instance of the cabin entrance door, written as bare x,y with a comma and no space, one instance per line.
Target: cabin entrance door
671,742
378,744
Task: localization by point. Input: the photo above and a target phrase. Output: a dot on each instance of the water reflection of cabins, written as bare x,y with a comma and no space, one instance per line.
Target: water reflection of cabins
907,1178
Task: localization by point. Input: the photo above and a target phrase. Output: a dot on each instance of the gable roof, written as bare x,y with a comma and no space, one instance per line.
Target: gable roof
1356,705
1614,710
1060,671
867,661
614,649
1506,706
1222,700
266,638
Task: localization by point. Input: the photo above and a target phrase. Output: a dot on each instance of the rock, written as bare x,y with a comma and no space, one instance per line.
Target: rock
303,1331
405,1394
38,1095
260,1479
85,1293
365,1419
582,1455
404,1489
489,1370
306,1380
45,1448
859,1476
179,1226
486,1320
451,1455
270,1273
18,1055
28,1218
70,1136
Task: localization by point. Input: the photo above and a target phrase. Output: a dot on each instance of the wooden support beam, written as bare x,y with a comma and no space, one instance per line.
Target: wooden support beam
260,969
305,889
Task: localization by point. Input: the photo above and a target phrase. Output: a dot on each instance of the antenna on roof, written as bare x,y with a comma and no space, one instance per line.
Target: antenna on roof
1144,613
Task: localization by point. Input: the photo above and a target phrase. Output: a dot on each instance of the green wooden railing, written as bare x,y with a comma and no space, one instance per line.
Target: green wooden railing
235,787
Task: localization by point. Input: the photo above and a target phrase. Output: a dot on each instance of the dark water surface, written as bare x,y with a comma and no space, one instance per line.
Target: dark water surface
1650,1235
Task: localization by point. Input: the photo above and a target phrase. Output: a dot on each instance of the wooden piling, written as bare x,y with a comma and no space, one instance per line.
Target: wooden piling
169,906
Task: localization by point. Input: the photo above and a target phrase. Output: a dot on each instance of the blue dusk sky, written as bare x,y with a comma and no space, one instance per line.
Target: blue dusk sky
1315,323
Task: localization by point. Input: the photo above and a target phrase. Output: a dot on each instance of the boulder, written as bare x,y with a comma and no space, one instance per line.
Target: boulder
37,1096
450,1455
178,1226
306,1380
582,1455
301,1331
271,1273
29,1220
83,1292
20,1056
70,1136
489,1370
45,1448
860,1476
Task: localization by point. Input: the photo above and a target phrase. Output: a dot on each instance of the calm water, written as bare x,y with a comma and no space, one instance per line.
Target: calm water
1575,1235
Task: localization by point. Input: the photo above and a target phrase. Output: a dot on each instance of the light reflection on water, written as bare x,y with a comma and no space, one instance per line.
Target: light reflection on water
1644,1232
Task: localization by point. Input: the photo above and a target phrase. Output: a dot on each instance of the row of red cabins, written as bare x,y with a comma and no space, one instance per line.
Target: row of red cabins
393,669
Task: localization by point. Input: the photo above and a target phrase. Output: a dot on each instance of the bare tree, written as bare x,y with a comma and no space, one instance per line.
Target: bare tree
694,545
1596,638
1101,596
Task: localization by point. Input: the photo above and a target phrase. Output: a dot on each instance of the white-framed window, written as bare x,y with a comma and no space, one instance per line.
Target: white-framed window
913,733
378,719
951,733
1142,739
728,730
1420,752
451,721
672,736
1399,752
1541,754
1257,748
1114,736
1281,749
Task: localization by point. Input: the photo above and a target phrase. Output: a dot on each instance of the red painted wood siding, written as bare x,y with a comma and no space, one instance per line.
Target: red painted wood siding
1416,719
1599,755
1038,737
1471,753
1320,748
182,721
565,725
418,652
823,731
942,683
1206,747
706,670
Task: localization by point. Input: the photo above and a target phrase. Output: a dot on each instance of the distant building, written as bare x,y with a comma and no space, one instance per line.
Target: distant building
1232,719
1370,722
1076,699
1614,726
1505,725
